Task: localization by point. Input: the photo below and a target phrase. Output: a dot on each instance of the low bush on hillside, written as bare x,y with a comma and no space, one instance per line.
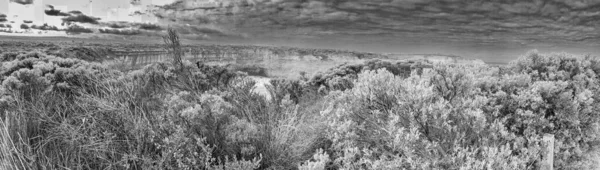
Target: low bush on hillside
69,113
251,70
342,77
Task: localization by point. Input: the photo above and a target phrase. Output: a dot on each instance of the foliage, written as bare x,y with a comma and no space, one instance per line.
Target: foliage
72,114
341,77
252,70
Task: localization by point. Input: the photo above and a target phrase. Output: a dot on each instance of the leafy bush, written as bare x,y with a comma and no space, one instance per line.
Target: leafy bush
69,113
252,70
341,77
388,122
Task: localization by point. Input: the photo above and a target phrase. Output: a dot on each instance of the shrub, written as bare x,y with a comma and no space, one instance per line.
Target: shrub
8,56
387,122
341,77
560,97
68,113
251,70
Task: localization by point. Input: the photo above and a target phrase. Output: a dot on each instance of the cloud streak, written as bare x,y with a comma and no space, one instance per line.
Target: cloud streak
22,2
486,21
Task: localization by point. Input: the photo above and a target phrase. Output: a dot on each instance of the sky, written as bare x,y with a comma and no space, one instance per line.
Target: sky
494,30
490,29
99,7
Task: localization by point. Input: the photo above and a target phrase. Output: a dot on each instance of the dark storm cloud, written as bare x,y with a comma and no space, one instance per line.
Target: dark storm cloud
76,12
81,18
532,20
54,12
22,2
71,16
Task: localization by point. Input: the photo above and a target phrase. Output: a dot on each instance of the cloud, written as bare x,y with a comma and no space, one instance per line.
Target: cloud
22,2
50,11
81,18
76,12
71,16
570,20
3,18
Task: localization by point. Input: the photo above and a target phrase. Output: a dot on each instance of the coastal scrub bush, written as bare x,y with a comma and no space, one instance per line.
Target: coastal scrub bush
73,114
341,77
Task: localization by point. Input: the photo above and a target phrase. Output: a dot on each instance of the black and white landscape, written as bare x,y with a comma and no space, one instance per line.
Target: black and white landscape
299,84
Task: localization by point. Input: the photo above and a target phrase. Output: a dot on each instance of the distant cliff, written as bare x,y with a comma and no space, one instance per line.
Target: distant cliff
436,58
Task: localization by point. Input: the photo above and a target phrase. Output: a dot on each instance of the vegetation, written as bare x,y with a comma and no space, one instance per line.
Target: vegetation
68,113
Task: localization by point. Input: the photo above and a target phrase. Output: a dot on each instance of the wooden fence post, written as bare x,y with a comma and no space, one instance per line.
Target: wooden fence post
548,159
